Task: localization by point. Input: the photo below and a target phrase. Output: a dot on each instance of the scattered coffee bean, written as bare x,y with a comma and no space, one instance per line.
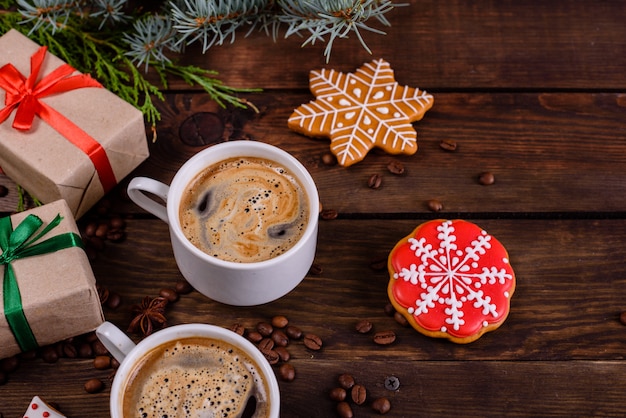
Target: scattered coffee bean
114,300
280,321
344,410
3,191
315,269
93,385
9,364
183,287
69,350
271,356
101,230
238,329
266,344
287,372
434,205
293,332
384,337
381,405
401,319
255,336
329,214
379,264
358,394
114,363
98,348
346,381
265,328
375,181
338,394
312,342
448,145
102,362
363,326
170,294
328,158
49,354
283,353
280,338
486,178
392,383
85,351
116,235
389,309
622,318
395,167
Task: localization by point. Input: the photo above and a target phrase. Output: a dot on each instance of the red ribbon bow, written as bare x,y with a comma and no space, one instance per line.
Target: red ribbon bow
24,93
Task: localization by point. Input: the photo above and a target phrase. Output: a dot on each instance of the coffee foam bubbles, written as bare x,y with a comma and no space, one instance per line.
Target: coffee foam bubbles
197,379
244,210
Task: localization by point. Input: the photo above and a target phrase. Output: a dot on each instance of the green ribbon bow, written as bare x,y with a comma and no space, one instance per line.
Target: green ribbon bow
22,243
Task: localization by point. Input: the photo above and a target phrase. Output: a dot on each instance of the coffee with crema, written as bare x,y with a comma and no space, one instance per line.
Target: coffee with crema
196,377
244,209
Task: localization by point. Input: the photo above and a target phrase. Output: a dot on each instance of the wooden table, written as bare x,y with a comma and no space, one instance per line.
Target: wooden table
533,92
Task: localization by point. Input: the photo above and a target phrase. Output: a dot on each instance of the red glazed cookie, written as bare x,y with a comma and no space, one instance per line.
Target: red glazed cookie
451,279
362,110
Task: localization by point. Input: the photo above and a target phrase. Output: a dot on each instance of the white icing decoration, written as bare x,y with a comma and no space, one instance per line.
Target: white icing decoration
383,110
350,115
370,131
379,95
505,260
357,92
506,294
344,102
367,120
396,114
485,323
339,125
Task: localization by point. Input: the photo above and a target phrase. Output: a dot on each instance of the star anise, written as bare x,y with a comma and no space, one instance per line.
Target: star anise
148,316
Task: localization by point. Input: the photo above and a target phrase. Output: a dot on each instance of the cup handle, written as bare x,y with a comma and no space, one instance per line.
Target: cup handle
114,340
136,192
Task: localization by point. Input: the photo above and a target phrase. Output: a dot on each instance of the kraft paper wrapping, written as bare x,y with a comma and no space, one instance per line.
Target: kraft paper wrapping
59,296
45,163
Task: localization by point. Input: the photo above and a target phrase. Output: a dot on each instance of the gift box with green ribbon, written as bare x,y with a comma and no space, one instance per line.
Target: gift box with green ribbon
48,289
62,135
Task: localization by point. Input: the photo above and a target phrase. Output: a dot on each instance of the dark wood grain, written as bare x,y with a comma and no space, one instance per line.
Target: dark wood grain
532,92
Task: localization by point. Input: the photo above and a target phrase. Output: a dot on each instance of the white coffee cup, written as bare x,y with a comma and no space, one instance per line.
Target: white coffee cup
128,354
233,283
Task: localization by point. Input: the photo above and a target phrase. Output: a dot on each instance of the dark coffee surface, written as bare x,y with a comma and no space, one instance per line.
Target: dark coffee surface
195,377
244,210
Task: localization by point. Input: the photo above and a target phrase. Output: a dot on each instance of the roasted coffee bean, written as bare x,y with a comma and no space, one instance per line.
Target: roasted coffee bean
346,381
9,364
389,309
338,394
255,336
93,385
434,205
116,235
117,222
49,354
329,214
384,337
69,350
315,269
114,300
85,350
486,178
363,326
29,355
90,229
375,181
622,318
280,338
283,353
266,344
448,145
280,321
395,167
114,363
344,410
328,158
3,190
379,264
293,332
170,294
183,287
101,230
312,342
238,329
287,372
358,393
401,319
102,362
265,328
99,349
381,405
271,356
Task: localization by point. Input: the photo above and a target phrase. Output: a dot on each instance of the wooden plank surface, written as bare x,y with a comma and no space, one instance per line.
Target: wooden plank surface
532,92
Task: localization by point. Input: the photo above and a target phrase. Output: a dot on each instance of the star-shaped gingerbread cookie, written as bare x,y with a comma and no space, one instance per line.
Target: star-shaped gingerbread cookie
362,110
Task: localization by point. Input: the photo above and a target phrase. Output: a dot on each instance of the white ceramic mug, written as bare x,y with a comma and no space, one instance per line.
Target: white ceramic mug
233,283
128,354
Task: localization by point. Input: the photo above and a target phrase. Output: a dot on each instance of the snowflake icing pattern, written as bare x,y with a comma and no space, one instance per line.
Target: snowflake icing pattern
452,277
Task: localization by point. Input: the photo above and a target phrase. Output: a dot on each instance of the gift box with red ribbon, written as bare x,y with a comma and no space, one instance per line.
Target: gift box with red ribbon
48,291
62,135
